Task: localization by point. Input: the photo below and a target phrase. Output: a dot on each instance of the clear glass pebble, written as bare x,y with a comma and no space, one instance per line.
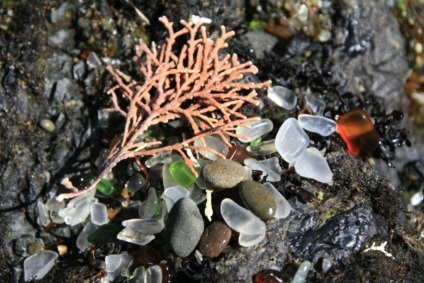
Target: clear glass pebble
291,140
173,194
255,129
267,170
283,97
157,158
115,263
37,266
317,124
283,206
43,214
250,240
145,226
212,142
311,164
241,219
153,274
148,207
54,207
264,148
167,179
274,164
317,105
134,237
136,183
99,214
82,242
78,209
302,272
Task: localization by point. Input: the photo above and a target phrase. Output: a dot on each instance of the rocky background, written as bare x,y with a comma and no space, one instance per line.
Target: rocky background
353,53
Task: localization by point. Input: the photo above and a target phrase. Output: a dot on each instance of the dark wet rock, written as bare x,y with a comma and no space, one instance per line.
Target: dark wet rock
214,240
184,227
224,173
258,199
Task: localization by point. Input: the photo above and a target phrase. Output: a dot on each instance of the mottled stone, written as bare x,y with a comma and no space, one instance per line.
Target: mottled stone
184,227
224,174
258,199
214,239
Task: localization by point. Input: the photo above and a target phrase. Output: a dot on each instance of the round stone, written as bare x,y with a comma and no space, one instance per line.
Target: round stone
47,125
258,199
214,239
224,174
184,227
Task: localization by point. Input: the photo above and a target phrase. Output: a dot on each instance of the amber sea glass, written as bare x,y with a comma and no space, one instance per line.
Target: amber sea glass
358,132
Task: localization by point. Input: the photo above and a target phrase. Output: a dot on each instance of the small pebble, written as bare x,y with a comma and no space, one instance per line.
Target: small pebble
224,174
283,206
47,125
214,239
184,227
291,140
258,199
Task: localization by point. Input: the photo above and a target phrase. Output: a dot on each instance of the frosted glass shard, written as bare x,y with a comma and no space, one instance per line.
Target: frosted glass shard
78,209
255,129
145,226
157,158
54,207
37,266
269,172
250,240
214,143
43,215
99,214
114,264
311,164
241,219
283,97
302,272
291,140
167,179
317,124
82,242
264,148
148,207
317,105
283,206
197,195
136,183
134,237
153,274
274,164
173,194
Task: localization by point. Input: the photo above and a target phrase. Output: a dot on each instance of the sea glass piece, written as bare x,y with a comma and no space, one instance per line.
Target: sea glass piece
238,154
212,142
114,264
255,129
131,236
136,183
264,148
283,97
317,124
317,105
99,214
291,140
271,171
241,219
37,266
153,274
302,272
105,186
148,207
311,164
358,132
283,206
173,194
269,276
104,234
250,240
145,226
182,174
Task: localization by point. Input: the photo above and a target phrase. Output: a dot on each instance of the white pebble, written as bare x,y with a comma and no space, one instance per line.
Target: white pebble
283,97
134,237
271,172
173,194
47,125
153,274
37,266
417,198
283,206
317,124
214,143
99,214
241,219
317,105
114,264
291,140
255,129
250,240
145,226
148,207
311,164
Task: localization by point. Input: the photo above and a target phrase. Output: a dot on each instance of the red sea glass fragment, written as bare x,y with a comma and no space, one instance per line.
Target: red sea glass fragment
358,132
268,276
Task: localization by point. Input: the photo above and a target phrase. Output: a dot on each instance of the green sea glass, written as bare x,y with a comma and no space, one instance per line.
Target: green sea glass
105,186
182,174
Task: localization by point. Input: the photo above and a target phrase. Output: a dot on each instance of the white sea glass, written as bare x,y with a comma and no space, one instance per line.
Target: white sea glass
153,274
134,237
173,194
255,129
317,105
283,97
145,226
250,240
291,140
283,206
114,264
78,208
212,142
99,214
271,172
148,207
317,124
311,164
37,266
82,242
241,219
